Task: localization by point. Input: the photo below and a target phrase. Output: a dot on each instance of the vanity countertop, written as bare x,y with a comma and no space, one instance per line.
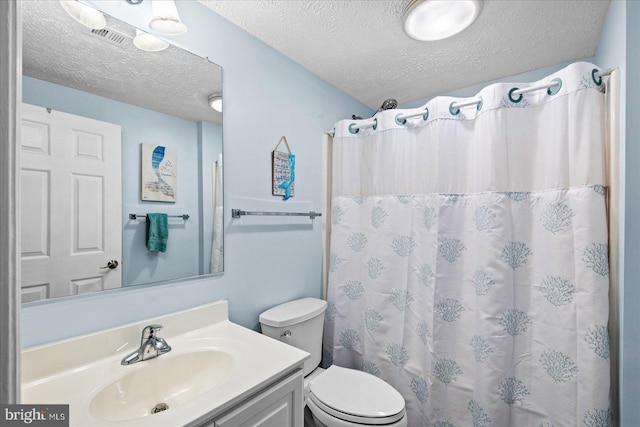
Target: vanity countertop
77,371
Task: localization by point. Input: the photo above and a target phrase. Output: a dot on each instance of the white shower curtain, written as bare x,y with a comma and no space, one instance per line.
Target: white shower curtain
469,258
217,242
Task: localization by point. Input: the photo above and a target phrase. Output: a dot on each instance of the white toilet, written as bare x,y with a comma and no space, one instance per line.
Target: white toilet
336,397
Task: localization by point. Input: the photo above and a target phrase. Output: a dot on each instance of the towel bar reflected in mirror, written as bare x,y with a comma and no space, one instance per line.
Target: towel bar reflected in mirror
136,216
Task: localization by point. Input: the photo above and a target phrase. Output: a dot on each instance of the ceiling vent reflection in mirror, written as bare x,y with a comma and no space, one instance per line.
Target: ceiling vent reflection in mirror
110,36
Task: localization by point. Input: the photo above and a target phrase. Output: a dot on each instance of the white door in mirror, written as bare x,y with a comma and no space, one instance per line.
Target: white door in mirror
70,204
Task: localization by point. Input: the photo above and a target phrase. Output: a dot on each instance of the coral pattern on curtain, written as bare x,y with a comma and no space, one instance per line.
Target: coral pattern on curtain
469,259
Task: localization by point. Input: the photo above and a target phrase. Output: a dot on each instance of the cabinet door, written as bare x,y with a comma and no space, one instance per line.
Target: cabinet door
281,405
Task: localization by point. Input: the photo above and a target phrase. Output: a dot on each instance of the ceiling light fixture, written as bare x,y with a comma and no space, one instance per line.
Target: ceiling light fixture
147,42
430,20
165,18
215,102
86,15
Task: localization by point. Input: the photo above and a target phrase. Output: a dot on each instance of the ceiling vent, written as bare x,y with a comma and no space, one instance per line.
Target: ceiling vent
110,36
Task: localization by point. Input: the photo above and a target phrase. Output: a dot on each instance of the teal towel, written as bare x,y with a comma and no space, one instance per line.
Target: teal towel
157,232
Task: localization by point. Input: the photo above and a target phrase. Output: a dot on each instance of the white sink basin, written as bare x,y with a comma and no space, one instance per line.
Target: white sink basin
162,383
214,365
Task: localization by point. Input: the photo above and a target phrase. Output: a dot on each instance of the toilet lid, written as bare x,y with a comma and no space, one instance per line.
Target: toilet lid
356,396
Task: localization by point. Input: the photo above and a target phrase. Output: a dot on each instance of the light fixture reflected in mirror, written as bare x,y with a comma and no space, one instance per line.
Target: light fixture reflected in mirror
430,20
165,18
215,102
86,15
149,43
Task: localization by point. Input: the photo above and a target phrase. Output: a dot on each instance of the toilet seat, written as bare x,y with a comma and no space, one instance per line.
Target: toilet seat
356,396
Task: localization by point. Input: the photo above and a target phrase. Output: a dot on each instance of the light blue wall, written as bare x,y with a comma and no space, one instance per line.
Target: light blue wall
138,126
266,96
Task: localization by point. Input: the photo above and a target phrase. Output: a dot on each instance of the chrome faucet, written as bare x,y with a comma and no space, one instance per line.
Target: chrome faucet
151,346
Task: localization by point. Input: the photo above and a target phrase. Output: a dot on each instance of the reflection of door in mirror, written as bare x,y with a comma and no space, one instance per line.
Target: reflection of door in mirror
71,179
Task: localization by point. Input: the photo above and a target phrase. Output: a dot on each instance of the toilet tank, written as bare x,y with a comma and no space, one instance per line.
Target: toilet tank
299,323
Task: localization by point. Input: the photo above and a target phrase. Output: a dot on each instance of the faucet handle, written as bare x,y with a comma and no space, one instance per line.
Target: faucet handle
150,331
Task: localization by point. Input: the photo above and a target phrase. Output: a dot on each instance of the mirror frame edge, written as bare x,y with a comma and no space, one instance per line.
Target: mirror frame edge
10,100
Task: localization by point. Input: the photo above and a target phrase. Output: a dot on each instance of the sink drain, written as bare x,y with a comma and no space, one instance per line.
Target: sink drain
159,408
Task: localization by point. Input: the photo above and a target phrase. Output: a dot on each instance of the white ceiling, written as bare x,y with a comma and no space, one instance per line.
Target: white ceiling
359,46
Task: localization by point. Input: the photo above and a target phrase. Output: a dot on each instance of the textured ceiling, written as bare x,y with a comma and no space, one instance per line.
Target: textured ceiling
59,50
359,46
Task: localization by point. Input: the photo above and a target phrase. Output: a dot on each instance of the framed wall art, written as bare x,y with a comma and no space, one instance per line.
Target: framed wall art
283,171
159,173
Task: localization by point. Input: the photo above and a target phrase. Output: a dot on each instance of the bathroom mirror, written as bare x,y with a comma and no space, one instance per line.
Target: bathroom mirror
98,97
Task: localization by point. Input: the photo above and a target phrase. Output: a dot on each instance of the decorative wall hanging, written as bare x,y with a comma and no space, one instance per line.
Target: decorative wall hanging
159,173
283,171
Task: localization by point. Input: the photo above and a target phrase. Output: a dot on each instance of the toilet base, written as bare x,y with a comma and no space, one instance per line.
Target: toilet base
309,421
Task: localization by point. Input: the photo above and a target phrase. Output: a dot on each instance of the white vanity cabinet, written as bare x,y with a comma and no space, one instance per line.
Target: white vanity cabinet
279,404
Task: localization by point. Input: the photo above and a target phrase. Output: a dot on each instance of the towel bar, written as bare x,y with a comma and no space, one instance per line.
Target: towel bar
136,216
237,213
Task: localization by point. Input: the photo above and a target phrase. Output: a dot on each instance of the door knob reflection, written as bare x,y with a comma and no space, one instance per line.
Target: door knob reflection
111,265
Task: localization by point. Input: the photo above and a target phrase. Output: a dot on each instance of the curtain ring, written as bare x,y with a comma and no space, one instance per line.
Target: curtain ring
454,112
425,116
515,101
555,89
375,123
352,130
479,107
593,76
398,122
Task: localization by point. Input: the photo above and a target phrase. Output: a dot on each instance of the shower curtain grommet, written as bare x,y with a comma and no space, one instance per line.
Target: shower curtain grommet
452,110
375,123
515,101
593,76
425,116
398,122
352,130
555,89
479,107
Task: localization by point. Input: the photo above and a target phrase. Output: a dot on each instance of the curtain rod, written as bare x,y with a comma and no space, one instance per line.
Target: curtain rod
454,107
605,72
